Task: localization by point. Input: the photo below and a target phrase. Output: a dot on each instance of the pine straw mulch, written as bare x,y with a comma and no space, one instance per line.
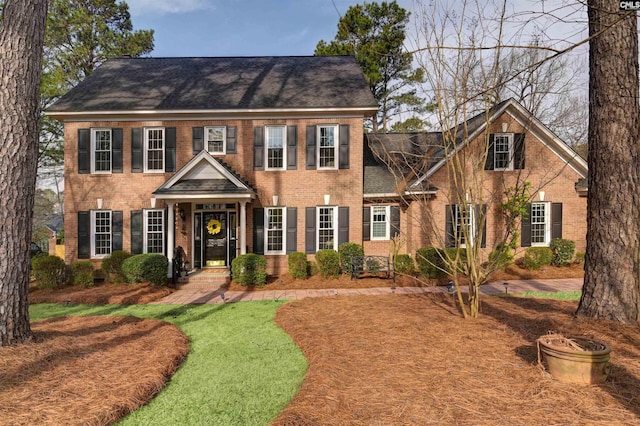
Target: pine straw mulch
87,370
100,294
413,360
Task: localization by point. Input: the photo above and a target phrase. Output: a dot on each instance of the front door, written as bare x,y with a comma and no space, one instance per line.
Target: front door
215,238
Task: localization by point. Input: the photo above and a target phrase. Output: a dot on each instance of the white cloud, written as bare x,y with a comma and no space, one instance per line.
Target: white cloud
164,7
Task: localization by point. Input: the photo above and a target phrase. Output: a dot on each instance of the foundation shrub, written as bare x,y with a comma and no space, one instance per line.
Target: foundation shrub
430,263
328,262
562,251
112,266
502,256
146,267
346,251
580,256
249,269
403,263
49,271
298,265
535,257
82,273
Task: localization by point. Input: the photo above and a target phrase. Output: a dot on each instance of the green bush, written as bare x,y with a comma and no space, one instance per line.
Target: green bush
501,256
403,264
430,263
328,263
346,250
150,267
48,270
249,269
535,257
82,272
298,265
112,266
562,250
580,256
462,260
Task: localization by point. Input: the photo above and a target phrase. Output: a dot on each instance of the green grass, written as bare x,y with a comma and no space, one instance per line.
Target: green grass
559,295
241,368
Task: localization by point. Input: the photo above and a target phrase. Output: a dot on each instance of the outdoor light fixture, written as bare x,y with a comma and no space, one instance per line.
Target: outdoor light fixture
99,203
275,200
505,127
153,203
187,268
450,287
541,195
506,287
223,298
327,199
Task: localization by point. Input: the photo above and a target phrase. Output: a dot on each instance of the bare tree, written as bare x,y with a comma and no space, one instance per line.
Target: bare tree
21,40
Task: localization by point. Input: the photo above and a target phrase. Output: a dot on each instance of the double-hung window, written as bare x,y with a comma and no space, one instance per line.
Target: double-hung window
101,145
540,224
101,233
153,231
216,139
464,224
154,149
327,147
276,152
274,221
380,223
503,151
327,221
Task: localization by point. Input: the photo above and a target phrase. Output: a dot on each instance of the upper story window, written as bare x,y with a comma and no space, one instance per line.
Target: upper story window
327,234
503,152
216,139
100,233
275,144
380,223
327,147
154,143
154,231
101,145
540,224
275,230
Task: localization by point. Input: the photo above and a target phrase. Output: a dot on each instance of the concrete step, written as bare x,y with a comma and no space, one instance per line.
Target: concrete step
205,279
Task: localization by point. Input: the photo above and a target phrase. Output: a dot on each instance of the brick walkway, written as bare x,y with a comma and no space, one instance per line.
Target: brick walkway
201,296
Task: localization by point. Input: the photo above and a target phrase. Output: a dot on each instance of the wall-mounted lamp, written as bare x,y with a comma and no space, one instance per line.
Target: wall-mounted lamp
99,202
505,127
541,195
275,200
181,213
153,203
327,199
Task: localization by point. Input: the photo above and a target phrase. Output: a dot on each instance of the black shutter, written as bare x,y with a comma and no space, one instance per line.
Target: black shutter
258,148
343,150
556,220
310,230
170,149
84,235
136,150
481,215
137,231
311,147
343,225
519,151
525,227
366,223
258,231
395,221
84,154
490,151
116,230
232,140
292,229
116,151
449,238
292,147
197,139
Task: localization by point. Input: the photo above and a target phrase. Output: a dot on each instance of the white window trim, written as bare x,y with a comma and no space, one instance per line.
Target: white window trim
547,225
510,137
146,149
472,225
145,226
224,139
284,230
284,148
387,215
335,226
93,151
336,143
93,234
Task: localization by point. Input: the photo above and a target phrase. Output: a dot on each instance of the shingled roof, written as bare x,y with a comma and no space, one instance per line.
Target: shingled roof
232,83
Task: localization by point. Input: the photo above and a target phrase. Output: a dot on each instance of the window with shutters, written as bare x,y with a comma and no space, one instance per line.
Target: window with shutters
540,224
275,145
327,147
154,231
275,230
327,230
503,151
464,219
100,233
380,222
154,149
215,139
101,145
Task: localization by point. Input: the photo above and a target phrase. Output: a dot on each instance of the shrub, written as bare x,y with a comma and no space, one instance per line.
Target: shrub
580,256
112,266
346,250
48,270
462,259
562,251
430,263
535,257
82,272
249,269
403,264
298,265
501,256
328,263
146,267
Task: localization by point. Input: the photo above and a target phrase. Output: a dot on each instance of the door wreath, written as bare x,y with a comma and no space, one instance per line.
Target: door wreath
214,226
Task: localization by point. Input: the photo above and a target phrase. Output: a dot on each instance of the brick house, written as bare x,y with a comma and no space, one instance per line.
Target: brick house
226,156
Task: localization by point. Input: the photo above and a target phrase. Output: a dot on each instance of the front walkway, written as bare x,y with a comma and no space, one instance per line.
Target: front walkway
201,296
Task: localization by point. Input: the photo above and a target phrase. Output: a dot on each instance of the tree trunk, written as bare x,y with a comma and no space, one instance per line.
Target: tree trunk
21,39
612,275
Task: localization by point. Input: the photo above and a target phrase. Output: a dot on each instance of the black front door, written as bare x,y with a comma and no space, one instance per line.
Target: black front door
215,238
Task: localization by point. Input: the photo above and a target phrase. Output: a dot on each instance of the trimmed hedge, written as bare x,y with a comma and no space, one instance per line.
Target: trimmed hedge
562,250
404,264
346,250
328,263
535,257
298,265
48,270
249,269
430,262
82,271
112,266
150,267
502,256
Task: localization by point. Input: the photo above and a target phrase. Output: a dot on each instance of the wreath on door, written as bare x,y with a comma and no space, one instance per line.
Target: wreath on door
214,226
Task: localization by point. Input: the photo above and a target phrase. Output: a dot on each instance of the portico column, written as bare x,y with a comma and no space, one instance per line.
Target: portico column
171,238
243,227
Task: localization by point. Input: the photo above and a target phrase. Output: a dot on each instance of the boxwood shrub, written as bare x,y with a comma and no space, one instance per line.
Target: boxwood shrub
328,262
562,250
298,265
112,266
48,270
502,256
346,250
403,264
249,269
535,257
430,263
146,267
82,272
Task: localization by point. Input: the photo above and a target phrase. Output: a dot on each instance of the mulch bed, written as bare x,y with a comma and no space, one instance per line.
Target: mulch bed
87,370
400,360
101,294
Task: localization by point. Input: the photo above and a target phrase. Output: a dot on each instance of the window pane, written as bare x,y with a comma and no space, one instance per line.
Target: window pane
275,230
379,222
538,224
327,144
102,150
463,224
275,147
326,228
155,149
155,231
102,233
501,152
215,139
